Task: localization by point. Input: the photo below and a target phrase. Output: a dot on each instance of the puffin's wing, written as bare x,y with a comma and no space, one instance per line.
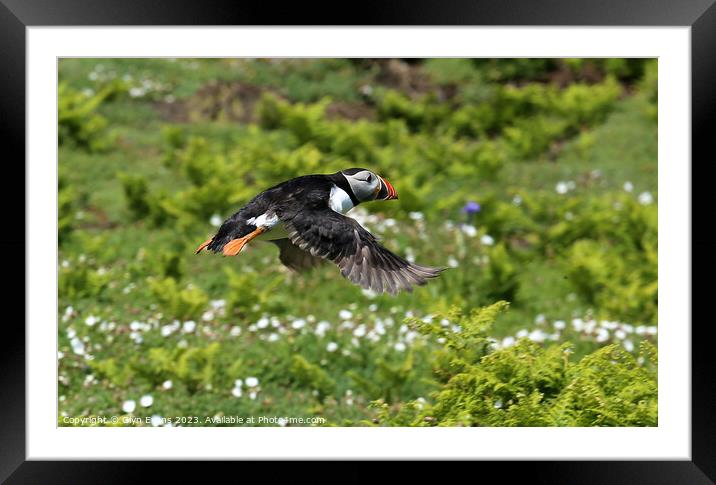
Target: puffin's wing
295,258
333,236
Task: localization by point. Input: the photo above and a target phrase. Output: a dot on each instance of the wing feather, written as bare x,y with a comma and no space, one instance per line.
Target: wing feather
294,258
361,258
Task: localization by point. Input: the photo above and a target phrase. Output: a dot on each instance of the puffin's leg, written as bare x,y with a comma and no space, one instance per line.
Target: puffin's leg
203,245
232,248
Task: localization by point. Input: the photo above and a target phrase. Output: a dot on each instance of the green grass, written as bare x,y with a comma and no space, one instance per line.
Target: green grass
113,260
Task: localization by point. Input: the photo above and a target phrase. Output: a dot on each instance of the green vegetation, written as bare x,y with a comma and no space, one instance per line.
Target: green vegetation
529,385
533,180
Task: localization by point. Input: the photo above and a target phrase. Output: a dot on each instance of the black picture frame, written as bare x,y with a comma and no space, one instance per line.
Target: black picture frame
17,15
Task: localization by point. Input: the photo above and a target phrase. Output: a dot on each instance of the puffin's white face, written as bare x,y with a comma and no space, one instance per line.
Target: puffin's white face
367,186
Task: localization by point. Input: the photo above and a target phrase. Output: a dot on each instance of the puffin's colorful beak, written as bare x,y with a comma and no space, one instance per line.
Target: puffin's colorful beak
387,192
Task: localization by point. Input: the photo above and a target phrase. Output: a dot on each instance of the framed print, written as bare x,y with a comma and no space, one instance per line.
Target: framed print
454,234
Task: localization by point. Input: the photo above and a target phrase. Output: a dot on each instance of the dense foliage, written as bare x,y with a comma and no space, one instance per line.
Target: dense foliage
529,385
532,180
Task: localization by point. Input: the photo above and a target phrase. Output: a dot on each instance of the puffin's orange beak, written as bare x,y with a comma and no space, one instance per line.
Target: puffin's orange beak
386,192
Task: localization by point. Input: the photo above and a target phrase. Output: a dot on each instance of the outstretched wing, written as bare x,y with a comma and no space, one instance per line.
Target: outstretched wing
295,258
333,236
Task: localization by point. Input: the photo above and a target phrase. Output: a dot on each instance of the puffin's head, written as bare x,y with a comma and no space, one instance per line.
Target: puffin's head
367,186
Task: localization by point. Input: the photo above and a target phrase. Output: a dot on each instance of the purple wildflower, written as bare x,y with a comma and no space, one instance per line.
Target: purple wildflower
471,208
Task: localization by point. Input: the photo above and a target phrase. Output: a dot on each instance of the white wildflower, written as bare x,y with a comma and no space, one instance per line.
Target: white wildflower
609,325
645,198
369,293
215,220
322,327
77,346
469,230
487,240
217,304
129,406
537,335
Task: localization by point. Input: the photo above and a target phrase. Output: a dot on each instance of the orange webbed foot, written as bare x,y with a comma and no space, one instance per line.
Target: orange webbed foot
203,245
232,248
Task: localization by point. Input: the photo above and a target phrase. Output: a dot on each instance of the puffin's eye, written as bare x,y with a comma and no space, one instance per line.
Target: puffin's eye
369,179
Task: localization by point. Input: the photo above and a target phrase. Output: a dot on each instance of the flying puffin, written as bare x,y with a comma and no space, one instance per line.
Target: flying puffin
305,218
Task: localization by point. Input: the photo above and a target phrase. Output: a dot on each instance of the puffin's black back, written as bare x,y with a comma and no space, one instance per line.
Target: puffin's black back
286,198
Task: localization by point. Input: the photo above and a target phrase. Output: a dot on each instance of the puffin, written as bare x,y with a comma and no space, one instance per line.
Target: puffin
305,217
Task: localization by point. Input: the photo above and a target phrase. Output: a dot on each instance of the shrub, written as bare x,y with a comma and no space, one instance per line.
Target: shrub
311,376
79,279
69,200
78,122
143,204
175,302
649,86
529,385
622,287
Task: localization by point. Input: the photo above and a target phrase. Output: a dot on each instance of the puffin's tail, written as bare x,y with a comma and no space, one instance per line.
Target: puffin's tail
226,239
215,244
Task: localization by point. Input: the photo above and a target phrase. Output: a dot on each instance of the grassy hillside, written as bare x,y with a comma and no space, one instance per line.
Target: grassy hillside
560,157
